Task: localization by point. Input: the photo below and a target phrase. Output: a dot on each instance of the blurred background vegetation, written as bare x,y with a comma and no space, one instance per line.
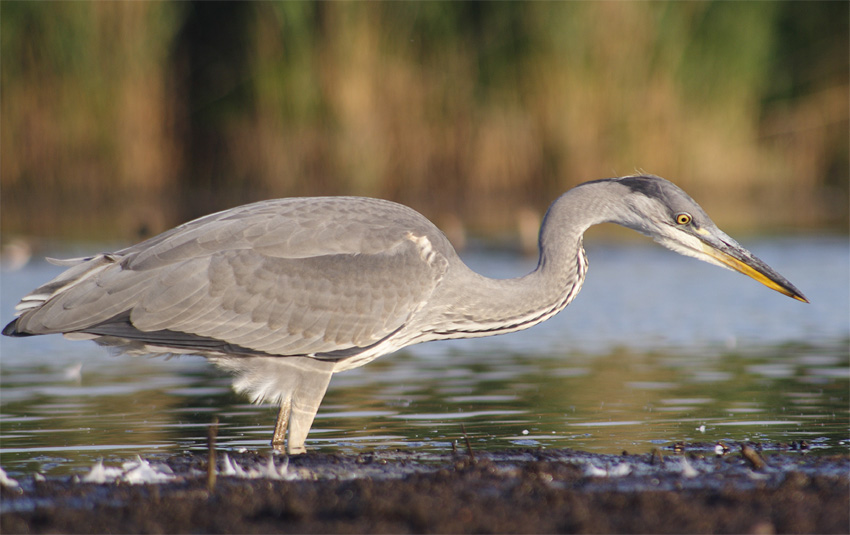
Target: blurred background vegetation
121,119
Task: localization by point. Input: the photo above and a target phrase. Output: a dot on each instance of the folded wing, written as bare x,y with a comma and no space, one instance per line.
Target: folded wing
319,277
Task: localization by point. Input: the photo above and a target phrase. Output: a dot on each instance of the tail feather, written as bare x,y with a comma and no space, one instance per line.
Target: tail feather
81,270
12,329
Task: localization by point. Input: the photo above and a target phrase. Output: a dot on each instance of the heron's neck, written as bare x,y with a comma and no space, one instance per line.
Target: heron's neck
481,306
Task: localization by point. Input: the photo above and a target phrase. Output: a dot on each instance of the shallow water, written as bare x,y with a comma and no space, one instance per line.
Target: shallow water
656,349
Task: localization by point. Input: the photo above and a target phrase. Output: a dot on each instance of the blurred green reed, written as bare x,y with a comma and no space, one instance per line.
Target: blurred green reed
120,119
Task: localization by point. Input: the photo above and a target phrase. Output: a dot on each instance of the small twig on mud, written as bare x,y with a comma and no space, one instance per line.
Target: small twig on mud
752,457
657,457
468,445
211,462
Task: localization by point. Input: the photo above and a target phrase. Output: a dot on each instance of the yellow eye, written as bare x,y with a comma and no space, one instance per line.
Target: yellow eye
683,218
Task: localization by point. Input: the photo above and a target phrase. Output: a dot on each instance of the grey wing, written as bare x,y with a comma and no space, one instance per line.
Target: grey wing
289,280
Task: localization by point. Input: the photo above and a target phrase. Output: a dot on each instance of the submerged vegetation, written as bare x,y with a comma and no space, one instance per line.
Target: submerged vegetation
147,114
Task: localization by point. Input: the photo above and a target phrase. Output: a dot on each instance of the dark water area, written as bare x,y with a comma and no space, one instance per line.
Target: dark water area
657,349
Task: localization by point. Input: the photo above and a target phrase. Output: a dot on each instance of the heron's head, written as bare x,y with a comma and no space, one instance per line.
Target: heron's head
660,209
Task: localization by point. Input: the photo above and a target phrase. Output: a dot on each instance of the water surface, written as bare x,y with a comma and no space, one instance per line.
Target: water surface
656,349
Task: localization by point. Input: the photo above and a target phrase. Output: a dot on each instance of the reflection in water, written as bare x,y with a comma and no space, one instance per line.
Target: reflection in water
664,352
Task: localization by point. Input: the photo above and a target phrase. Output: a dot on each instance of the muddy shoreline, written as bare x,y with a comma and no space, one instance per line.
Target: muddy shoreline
690,490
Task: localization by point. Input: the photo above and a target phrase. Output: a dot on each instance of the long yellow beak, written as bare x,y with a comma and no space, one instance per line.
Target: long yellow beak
741,260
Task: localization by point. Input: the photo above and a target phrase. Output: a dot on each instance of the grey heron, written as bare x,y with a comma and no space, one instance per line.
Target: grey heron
284,293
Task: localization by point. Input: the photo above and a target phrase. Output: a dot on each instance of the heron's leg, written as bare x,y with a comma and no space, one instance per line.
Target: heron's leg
305,404
282,421
298,382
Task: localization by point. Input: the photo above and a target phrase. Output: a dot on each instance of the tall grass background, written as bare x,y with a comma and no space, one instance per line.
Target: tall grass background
120,119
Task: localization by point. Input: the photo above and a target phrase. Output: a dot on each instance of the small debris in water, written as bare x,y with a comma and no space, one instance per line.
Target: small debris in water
657,457
802,445
135,472
260,471
721,449
687,469
592,471
620,470
101,474
7,481
752,457
141,471
74,373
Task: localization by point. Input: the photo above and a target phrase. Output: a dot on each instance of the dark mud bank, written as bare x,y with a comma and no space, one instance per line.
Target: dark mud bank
521,491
